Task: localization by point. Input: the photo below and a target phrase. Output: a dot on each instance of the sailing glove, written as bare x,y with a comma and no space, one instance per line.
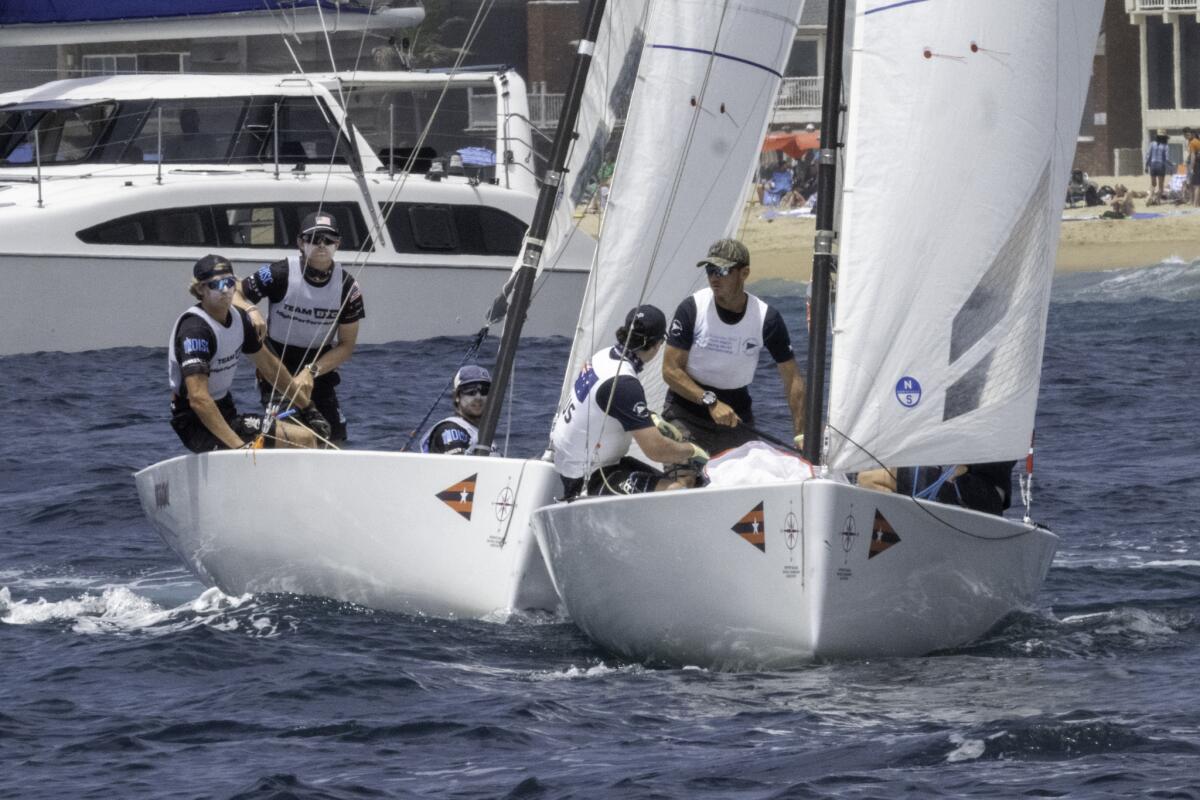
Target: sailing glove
665,428
698,458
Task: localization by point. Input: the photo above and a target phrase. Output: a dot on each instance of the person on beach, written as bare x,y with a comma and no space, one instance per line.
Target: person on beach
1158,164
456,435
312,319
206,344
712,354
607,411
1122,204
1193,162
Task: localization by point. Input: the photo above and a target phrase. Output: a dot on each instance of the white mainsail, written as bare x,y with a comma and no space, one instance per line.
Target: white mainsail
946,253
604,104
708,80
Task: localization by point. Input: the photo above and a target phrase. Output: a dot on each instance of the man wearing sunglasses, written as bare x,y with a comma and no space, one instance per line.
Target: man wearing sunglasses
457,435
206,343
712,354
312,318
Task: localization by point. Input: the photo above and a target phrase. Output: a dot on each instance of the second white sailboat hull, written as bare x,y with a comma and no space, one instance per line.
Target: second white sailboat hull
843,572
445,536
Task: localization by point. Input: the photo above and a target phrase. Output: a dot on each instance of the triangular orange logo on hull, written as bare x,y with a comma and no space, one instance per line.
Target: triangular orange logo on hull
883,535
750,528
460,496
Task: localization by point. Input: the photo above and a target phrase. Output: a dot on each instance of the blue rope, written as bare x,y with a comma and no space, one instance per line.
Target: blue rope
932,489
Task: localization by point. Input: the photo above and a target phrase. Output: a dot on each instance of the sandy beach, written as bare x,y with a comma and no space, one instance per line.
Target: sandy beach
781,248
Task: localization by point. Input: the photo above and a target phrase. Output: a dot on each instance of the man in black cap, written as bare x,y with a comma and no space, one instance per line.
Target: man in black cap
312,317
607,411
206,342
457,435
712,354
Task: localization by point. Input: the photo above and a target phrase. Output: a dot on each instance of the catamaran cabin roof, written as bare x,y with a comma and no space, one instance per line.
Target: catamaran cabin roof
131,87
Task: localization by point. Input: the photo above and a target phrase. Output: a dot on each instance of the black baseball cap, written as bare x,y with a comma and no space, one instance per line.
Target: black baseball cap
319,221
211,266
648,321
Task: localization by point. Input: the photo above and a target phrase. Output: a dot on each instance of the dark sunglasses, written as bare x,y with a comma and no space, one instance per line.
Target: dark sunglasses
325,239
473,391
713,271
221,284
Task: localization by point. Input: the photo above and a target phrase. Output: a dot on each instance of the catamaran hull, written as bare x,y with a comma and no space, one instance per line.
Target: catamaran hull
445,536
843,572
139,299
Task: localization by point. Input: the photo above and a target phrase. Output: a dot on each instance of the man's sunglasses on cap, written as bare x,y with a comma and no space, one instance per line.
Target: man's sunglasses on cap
222,283
321,238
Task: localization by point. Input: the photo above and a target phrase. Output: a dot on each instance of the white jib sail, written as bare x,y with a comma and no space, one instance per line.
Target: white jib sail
961,131
604,104
707,83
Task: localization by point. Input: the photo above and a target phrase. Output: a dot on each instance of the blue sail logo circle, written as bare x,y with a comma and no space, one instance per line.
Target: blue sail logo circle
908,391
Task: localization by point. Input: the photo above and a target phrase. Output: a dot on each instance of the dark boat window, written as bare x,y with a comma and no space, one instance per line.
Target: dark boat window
194,130
464,229
66,134
307,133
262,225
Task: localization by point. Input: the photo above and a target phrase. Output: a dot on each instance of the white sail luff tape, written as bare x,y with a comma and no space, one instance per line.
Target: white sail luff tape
586,48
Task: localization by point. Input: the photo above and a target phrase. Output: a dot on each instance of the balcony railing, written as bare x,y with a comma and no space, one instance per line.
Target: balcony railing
1162,6
797,93
544,107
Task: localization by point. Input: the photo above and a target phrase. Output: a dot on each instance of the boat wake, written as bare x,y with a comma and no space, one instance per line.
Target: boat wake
121,610
1173,280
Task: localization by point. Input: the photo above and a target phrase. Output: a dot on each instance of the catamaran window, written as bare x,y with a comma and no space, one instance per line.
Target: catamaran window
195,130
439,228
264,225
65,134
307,133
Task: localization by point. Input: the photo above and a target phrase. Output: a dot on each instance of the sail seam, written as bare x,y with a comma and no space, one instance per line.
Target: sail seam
893,6
718,54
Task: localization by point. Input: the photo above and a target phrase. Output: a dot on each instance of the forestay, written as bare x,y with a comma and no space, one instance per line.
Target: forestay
953,189
708,80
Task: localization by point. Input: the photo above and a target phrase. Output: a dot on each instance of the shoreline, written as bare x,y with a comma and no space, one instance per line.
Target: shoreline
781,248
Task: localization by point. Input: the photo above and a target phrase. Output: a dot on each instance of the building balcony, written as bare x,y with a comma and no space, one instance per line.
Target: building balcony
797,93
1163,7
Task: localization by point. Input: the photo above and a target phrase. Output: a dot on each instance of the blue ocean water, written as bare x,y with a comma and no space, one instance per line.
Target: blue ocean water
121,676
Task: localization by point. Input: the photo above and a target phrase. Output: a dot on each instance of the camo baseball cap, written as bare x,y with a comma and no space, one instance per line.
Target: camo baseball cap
726,254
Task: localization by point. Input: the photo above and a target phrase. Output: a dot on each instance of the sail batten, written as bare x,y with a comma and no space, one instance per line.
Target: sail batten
950,225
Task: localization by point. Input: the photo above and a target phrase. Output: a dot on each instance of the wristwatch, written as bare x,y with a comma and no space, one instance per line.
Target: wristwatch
709,399
315,369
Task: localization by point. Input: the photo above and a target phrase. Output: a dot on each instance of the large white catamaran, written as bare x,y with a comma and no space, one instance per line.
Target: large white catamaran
960,133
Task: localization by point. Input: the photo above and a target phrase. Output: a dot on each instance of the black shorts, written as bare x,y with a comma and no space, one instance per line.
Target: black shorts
703,431
196,436
627,476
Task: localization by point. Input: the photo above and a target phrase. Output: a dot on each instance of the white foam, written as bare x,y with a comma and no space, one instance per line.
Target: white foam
967,749
119,609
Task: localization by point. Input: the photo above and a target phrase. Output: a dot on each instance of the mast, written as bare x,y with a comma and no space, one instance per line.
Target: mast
823,261
535,238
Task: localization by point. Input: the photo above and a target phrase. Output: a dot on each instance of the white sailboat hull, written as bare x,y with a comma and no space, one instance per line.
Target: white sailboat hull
361,527
666,578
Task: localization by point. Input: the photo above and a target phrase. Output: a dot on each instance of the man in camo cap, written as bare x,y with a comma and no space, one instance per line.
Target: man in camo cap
713,345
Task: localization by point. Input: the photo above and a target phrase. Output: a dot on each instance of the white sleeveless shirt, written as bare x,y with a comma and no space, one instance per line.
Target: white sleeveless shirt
725,356
306,313
584,437
471,430
222,365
